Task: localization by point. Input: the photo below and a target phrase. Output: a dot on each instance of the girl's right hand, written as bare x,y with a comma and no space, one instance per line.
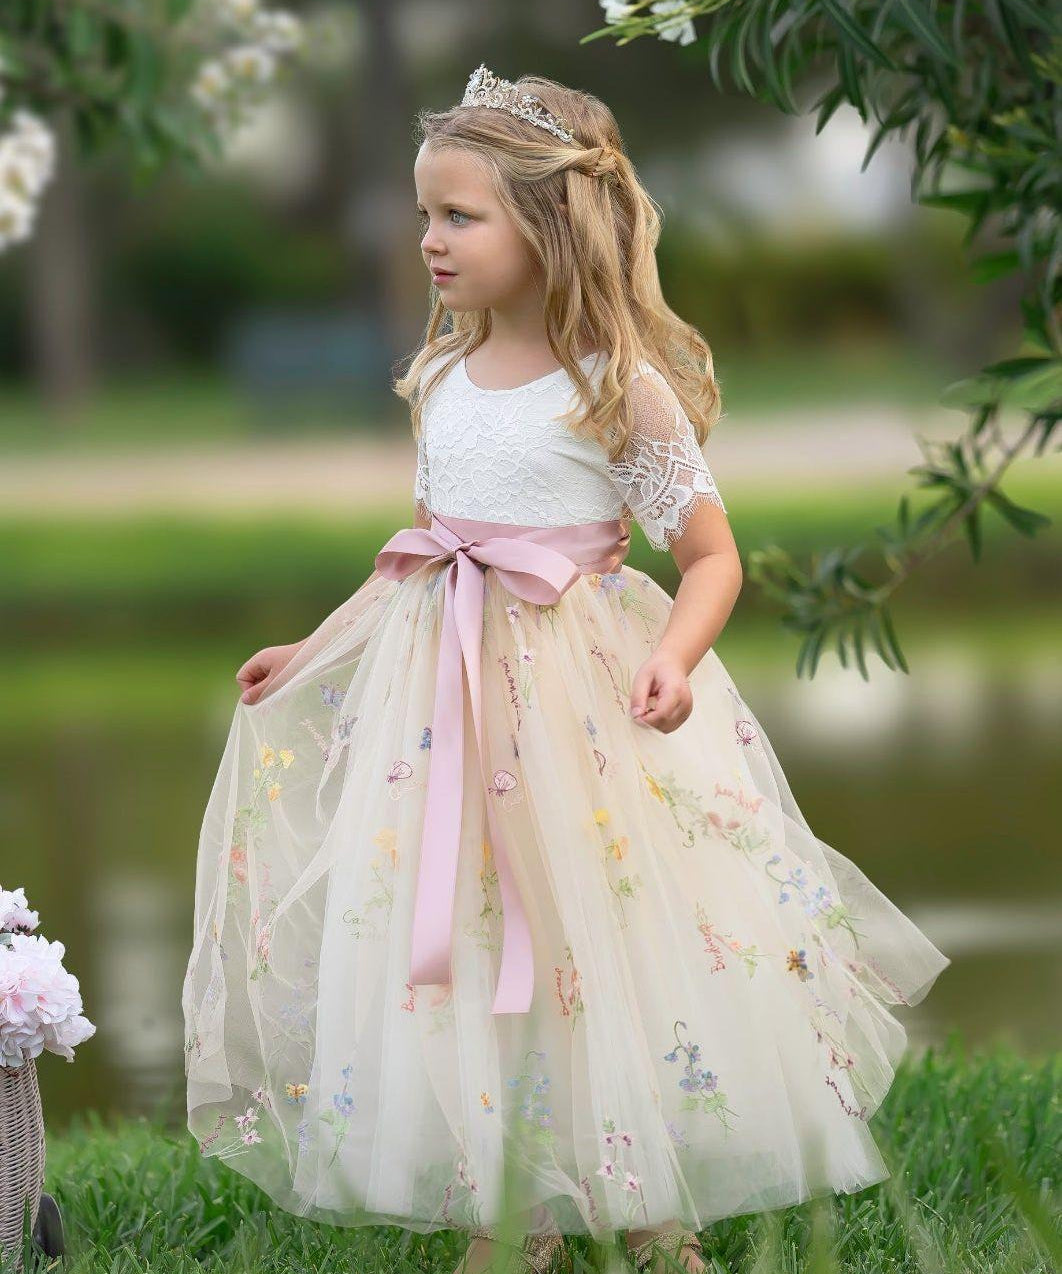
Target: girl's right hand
261,669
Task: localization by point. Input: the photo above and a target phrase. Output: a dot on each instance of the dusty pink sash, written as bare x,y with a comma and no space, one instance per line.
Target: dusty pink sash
538,564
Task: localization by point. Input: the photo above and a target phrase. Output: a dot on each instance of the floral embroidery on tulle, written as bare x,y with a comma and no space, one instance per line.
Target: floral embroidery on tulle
677,799
615,850
570,997
382,869
513,688
618,584
247,1133
338,1115
712,940
461,1178
486,927
817,903
702,1086
618,673
615,1171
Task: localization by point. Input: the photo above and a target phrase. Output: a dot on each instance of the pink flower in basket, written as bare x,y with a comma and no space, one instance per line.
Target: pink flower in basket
40,1003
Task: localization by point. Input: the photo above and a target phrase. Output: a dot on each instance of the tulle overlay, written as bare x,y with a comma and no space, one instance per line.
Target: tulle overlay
711,1025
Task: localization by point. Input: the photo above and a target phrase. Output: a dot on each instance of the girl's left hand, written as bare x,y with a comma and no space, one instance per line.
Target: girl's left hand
662,680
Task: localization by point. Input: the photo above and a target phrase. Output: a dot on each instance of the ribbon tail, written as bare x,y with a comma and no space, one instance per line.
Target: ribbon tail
516,976
441,838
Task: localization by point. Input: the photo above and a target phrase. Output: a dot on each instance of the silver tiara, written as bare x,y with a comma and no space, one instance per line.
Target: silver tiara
486,89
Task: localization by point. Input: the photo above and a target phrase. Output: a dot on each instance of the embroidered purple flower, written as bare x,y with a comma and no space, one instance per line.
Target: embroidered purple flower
246,1120
700,1083
250,1138
344,1103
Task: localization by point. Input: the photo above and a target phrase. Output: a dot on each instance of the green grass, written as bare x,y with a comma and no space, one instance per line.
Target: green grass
972,1141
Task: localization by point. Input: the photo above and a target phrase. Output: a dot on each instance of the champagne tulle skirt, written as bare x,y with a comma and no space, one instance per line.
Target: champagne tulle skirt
711,1027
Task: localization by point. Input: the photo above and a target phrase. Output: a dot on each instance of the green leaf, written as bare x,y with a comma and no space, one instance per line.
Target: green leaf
1026,521
890,636
994,265
854,33
860,653
918,19
971,525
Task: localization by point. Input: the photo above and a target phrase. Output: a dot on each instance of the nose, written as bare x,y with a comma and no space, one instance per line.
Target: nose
431,245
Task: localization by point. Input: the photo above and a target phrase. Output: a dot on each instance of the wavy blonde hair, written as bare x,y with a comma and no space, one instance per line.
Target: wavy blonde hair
598,262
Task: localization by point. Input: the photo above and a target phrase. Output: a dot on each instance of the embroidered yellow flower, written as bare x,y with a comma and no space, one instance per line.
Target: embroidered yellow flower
654,787
287,756
617,847
601,816
268,756
273,791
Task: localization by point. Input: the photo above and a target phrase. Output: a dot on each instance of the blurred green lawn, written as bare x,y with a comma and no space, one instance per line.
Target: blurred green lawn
193,406
139,617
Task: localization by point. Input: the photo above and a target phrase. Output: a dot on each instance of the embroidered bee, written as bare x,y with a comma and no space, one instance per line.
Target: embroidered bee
797,963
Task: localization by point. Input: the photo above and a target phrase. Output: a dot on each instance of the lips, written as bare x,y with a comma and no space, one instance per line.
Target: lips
442,274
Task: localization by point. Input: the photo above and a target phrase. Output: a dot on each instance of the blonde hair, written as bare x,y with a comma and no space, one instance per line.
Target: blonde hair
599,261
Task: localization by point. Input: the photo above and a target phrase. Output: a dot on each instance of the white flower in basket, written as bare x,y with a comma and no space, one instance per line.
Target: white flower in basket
40,1008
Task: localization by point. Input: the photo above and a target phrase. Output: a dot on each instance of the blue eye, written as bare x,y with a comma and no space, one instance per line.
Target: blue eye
422,216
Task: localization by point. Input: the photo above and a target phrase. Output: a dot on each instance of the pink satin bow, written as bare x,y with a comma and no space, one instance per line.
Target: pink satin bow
528,565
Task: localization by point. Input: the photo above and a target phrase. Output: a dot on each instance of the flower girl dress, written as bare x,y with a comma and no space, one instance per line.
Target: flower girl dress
467,933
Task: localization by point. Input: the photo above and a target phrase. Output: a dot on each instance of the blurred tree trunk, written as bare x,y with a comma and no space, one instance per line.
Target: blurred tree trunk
391,274
59,276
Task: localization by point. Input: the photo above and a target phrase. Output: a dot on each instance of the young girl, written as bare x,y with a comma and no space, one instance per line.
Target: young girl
504,906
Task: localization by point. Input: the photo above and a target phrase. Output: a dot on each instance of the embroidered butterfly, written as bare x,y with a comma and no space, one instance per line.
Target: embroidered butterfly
504,785
332,695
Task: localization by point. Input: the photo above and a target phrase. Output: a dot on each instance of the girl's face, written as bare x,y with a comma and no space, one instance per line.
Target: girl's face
467,232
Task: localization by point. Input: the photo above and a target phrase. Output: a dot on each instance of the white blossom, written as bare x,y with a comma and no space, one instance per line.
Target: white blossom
278,31
616,12
238,12
251,62
677,28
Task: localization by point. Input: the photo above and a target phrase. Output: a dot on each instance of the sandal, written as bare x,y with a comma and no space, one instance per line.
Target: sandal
539,1253
670,1241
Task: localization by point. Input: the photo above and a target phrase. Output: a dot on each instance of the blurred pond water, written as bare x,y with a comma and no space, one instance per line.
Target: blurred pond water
942,785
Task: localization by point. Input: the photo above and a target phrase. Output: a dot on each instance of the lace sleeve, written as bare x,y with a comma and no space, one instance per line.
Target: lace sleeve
663,474
421,495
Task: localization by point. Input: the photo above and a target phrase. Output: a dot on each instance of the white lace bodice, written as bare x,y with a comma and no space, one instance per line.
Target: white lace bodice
505,455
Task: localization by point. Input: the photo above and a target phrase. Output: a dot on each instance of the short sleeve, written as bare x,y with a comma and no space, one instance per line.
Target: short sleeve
662,474
421,492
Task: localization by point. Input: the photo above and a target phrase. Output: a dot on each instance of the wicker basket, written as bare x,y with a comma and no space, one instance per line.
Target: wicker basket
21,1152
